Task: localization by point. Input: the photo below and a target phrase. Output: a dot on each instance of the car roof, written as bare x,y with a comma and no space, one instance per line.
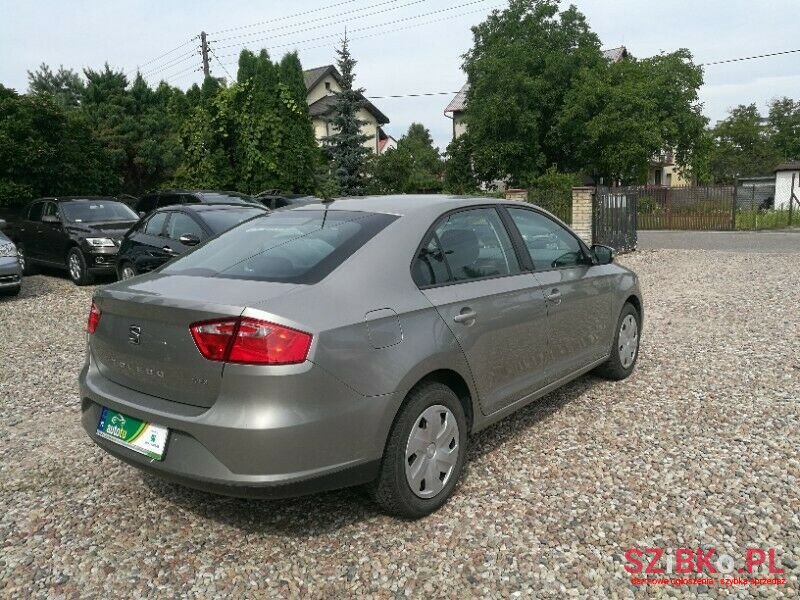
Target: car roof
406,205
213,206
80,199
198,192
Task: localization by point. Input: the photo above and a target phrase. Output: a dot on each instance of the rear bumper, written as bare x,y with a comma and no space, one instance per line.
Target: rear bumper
324,437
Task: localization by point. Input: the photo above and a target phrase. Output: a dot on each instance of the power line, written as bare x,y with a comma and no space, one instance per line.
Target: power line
732,60
417,95
355,10
716,62
284,18
167,53
356,30
194,68
401,20
371,35
170,64
210,49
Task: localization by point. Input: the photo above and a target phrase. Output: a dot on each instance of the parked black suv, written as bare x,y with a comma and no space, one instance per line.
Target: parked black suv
80,234
161,198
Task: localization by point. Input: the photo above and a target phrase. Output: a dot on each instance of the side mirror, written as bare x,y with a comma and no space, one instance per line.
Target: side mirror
142,213
189,239
602,255
3,224
50,219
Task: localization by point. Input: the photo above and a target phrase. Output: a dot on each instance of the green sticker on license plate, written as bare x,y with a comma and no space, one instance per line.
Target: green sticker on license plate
139,436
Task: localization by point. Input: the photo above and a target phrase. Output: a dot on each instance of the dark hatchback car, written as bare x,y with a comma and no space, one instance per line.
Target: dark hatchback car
173,230
79,234
150,202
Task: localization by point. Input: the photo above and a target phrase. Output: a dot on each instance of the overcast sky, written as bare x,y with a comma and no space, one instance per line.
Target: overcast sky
414,54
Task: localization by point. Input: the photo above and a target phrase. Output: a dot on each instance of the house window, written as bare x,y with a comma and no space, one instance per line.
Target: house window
328,86
669,179
657,177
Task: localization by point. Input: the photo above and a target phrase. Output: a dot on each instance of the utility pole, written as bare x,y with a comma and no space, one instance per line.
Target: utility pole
204,51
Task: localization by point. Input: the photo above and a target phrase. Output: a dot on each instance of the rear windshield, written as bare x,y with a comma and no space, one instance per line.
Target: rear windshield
221,220
97,211
225,197
294,246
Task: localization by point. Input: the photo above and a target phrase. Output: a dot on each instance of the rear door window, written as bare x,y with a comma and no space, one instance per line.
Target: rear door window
474,244
296,247
155,224
182,224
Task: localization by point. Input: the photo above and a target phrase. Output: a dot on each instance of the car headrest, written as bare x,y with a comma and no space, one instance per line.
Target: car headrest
461,247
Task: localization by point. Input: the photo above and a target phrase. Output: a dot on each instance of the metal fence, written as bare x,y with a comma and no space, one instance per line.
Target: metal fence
615,218
698,208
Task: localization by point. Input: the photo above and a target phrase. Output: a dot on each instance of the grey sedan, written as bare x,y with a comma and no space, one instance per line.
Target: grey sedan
358,341
10,270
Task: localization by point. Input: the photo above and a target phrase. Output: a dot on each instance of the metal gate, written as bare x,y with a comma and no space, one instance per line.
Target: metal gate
614,219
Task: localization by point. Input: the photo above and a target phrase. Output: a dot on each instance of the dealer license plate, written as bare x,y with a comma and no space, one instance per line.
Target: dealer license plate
137,435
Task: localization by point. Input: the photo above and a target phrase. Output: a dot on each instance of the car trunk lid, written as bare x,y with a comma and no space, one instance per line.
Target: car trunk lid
143,340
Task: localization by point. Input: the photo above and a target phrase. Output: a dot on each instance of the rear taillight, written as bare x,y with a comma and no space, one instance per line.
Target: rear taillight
94,318
250,341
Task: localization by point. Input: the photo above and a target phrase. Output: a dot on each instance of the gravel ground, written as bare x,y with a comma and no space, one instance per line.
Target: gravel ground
699,448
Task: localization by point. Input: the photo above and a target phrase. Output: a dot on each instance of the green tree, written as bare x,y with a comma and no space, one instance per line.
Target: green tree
741,146
459,176
784,127
617,116
298,155
414,167
46,150
346,145
65,85
522,65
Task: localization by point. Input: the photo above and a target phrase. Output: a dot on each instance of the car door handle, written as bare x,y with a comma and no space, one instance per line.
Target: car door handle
465,316
554,296
168,250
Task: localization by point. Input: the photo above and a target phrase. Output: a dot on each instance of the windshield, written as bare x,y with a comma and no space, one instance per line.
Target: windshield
296,246
221,220
225,197
97,211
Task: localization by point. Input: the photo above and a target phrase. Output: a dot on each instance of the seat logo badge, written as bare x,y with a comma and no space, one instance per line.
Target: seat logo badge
135,335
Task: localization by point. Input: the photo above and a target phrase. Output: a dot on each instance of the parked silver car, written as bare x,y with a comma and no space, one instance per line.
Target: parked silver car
357,341
10,269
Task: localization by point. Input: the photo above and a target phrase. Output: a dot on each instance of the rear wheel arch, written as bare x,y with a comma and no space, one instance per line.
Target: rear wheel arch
455,382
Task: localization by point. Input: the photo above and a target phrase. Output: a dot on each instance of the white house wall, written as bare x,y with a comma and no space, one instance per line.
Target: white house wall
783,188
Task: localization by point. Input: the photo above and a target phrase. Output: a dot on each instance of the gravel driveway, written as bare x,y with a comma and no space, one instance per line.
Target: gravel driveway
698,448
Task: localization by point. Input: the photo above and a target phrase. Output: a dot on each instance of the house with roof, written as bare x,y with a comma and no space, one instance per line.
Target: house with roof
322,85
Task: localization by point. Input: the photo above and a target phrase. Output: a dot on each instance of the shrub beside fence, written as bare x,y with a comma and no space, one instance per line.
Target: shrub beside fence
557,201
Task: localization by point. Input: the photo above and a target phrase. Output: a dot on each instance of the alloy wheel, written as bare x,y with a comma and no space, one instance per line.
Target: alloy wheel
432,451
21,258
75,267
628,340
127,272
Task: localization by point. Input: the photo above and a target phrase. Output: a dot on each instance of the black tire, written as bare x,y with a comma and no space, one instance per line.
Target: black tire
28,267
391,490
613,368
122,267
83,276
